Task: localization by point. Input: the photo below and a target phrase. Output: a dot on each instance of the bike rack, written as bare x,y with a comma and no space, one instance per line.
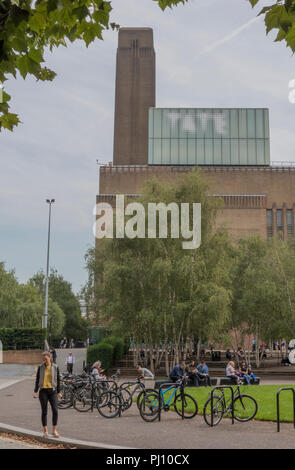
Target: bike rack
278,405
218,387
167,385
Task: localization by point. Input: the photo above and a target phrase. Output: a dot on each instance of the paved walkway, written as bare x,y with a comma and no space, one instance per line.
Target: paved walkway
80,357
18,408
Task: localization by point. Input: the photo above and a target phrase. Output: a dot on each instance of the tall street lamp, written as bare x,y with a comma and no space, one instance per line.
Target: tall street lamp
50,202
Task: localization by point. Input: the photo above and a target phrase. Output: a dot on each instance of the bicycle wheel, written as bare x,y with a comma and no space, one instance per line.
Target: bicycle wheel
149,406
245,408
190,407
109,404
142,394
126,398
66,401
82,400
218,410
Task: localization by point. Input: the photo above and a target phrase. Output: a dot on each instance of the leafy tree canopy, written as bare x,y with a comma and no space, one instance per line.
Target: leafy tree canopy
60,291
22,305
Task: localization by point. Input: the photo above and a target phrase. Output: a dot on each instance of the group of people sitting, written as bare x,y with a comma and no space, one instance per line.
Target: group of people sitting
197,373
243,374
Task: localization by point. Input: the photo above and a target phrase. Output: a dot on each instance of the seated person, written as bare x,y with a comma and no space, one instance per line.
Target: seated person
285,361
144,373
177,371
245,373
228,355
193,374
252,376
97,371
231,373
203,372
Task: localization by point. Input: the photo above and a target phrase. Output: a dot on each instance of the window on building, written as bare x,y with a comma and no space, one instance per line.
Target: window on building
280,222
269,223
290,223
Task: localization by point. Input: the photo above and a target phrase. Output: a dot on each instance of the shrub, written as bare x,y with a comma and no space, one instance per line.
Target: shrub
118,346
22,338
103,352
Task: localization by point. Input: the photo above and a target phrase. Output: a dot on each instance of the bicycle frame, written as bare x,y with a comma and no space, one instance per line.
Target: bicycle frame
138,385
172,386
222,387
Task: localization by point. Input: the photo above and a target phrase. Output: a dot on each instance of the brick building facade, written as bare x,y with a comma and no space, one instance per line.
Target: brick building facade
258,199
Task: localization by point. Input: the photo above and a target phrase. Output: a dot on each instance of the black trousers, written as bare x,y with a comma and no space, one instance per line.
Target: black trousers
194,376
48,395
234,379
70,367
205,378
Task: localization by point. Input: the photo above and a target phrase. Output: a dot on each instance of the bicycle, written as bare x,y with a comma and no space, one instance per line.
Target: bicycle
127,395
173,396
245,407
112,404
89,396
69,385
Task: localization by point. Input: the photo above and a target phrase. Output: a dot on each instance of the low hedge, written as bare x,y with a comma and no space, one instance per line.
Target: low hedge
118,345
108,351
103,352
22,338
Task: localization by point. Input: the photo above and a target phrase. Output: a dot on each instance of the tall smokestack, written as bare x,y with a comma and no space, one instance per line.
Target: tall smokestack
135,94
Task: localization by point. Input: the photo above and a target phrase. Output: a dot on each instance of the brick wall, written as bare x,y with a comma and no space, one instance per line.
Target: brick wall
22,357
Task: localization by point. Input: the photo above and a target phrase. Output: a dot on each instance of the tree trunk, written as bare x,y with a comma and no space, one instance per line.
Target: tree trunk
198,349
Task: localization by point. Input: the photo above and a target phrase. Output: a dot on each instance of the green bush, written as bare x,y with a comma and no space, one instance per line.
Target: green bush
118,346
103,352
22,338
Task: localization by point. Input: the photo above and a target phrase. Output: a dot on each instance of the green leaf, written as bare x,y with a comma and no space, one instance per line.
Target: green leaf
281,35
36,55
290,38
253,2
9,121
22,65
37,21
6,97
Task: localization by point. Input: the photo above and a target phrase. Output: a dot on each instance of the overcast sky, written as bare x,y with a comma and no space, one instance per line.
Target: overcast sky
209,53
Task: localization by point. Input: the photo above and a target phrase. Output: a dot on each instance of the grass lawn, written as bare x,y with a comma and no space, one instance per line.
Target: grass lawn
265,395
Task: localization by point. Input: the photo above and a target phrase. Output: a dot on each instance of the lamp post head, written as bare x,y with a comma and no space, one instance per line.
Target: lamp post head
50,201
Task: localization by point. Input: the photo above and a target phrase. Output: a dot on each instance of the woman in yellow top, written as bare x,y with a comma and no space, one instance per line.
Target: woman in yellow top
48,382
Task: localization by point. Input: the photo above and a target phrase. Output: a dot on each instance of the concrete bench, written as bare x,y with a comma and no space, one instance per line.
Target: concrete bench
168,382
228,381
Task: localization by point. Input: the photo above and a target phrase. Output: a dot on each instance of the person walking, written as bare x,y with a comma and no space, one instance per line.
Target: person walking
53,355
48,384
70,361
